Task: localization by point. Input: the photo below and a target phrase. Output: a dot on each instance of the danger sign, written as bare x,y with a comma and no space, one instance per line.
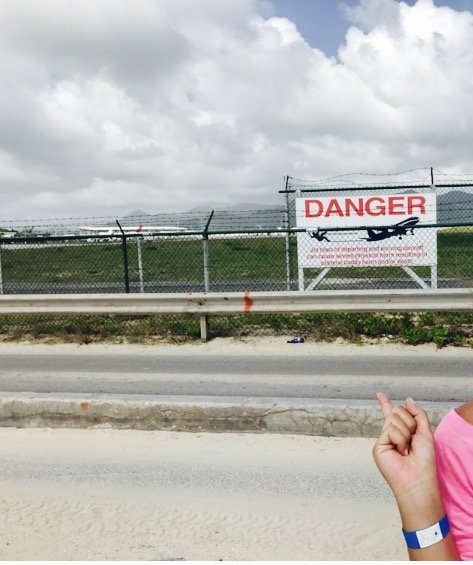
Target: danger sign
390,234
365,211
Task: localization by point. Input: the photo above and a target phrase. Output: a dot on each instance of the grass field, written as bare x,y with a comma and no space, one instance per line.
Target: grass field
174,259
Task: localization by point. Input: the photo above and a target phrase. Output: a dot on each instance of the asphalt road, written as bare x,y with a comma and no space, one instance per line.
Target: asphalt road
181,372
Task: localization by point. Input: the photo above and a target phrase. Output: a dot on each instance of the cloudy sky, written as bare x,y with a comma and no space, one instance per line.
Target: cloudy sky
108,106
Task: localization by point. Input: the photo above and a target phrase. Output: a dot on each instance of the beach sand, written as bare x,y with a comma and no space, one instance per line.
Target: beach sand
128,495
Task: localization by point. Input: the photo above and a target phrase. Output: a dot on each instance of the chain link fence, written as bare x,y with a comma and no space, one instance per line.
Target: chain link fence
229,262
239,251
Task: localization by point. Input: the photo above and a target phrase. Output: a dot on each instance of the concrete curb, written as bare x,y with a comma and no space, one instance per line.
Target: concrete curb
334,418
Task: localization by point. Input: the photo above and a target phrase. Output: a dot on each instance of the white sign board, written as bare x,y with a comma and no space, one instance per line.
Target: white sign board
391,236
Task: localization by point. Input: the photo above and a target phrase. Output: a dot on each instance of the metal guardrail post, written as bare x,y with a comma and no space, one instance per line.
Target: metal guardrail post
204,328
125,260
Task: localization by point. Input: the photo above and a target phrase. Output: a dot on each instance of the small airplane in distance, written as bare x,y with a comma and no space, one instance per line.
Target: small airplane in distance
128,230
397,230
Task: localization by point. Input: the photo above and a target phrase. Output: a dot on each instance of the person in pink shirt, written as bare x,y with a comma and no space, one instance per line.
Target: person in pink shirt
454,456
431,477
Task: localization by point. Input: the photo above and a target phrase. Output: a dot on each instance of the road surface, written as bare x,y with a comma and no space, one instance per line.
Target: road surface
128,495
268,368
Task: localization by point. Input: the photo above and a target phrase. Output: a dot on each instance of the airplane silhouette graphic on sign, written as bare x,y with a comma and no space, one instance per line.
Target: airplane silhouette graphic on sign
377,234
397,230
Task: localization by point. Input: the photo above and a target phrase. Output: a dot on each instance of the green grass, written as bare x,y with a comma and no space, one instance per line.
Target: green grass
439,328
181,259
162,260
63,263
87,328
455,253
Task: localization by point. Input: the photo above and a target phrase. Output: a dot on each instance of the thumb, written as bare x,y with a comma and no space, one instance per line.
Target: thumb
419,415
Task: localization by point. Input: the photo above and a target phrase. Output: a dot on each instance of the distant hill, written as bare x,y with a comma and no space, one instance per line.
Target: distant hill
136,214
239,216
455,206
243,206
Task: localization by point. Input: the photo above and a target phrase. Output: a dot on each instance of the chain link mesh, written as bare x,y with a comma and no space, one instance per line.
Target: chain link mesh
263,259
236,262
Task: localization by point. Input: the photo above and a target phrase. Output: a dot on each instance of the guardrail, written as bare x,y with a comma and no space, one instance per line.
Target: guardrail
206,304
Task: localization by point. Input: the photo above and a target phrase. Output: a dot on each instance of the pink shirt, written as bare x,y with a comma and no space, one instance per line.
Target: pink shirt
454,451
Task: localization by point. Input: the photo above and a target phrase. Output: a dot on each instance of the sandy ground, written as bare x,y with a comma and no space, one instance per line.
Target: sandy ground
127,495
246,346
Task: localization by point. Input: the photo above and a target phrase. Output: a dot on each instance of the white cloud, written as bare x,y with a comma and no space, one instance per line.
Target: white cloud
372,14
170,104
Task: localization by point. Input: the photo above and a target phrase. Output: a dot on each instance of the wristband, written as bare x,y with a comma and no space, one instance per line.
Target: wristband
420,539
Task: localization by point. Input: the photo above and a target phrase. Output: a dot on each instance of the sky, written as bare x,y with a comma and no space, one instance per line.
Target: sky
113,106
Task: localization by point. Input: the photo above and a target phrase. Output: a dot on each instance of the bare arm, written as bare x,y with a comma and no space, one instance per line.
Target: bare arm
405,456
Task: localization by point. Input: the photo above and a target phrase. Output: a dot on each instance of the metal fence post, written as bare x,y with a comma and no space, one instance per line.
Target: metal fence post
140,264
205,244
125,259
205,319
1,272
288,246
288,253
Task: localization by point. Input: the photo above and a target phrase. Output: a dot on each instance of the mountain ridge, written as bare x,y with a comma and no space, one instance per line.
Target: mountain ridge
453,207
